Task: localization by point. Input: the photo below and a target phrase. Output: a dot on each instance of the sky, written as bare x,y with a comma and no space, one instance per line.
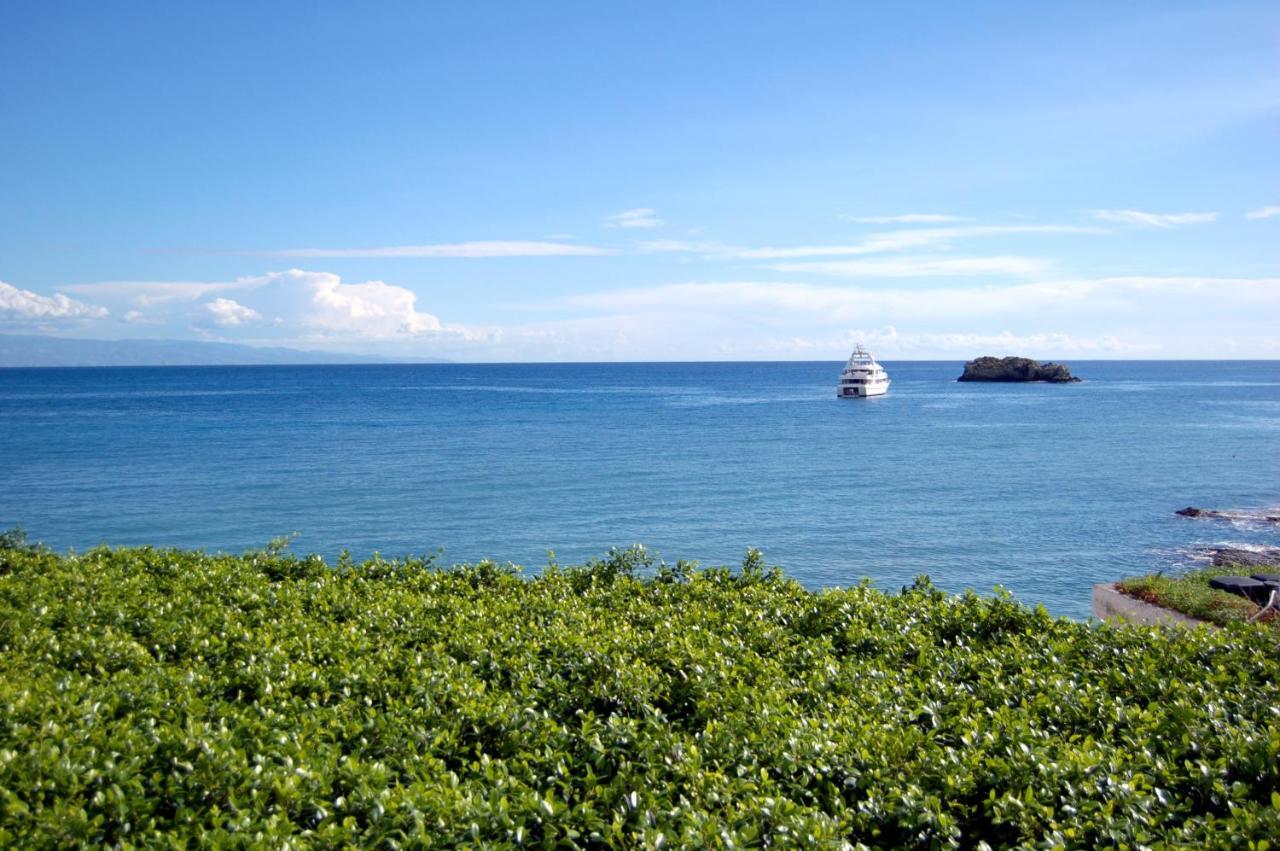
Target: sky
660,181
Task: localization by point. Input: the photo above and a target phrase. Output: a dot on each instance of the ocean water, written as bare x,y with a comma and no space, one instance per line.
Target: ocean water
1041,489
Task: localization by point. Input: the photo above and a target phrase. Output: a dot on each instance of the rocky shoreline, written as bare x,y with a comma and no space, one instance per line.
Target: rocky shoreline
1238,557
1226,556
1016,369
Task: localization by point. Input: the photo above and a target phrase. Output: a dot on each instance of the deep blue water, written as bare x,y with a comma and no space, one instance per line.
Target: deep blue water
1042,489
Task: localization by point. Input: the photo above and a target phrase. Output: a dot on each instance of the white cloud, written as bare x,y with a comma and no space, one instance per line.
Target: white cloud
900,240
149,293
918,267
684,246
1263,213
1155,220
640,217
998,344
372,309
1088,298
134,316
1099,317
227,312
906,219
25,306
319,304
491,248
1118,317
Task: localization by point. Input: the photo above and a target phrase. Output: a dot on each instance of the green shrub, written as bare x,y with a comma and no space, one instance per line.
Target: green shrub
162,698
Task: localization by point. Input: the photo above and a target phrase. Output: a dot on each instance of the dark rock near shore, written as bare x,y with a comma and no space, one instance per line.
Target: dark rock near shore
1192,511
1016,369
1215,514
1233,556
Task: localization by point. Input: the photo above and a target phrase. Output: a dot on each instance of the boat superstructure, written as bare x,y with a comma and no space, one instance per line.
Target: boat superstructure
862,376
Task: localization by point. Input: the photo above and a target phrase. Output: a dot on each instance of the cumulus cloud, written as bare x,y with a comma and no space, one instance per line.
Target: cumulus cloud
226,312
319,304
24,306
640,217
1263,213
906,219
371,309
1155,220
490,248
919,267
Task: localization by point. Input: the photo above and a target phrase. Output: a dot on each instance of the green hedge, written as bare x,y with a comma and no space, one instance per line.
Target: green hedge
167,698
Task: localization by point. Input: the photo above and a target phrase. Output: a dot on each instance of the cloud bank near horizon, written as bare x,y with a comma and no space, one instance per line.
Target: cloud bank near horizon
933,280
1043,317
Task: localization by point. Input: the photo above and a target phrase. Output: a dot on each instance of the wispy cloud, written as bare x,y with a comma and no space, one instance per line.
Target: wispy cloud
920,267
889,339
24,306
1116,316
640,217
876,243
1155,220
684,246
901,240
1086,296
150,293
489,248
906,219
1263,213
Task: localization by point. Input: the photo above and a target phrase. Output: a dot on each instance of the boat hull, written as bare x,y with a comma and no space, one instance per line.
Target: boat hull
861,392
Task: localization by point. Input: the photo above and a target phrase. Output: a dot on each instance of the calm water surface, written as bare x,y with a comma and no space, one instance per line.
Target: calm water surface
1042,489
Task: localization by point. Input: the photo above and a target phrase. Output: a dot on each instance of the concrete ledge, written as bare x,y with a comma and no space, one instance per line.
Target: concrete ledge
1110,605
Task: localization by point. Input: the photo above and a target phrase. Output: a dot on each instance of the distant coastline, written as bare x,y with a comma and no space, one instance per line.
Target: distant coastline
26,351
31,350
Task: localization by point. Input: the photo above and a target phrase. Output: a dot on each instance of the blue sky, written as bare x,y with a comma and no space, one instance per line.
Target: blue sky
564,181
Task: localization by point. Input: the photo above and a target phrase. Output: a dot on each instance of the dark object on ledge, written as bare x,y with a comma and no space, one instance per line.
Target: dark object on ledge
1016,369
1251,589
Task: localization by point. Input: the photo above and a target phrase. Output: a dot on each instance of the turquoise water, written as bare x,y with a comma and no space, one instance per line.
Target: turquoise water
1042,489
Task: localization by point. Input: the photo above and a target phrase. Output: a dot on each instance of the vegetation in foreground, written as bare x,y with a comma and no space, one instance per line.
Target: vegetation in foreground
1190,594
168,698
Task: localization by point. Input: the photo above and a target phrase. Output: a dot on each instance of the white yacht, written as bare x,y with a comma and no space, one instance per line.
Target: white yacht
862,376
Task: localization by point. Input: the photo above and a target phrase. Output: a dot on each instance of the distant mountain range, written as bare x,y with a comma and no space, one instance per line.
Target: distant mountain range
32,350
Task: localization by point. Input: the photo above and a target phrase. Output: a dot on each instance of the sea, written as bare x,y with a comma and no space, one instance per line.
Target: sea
1039,489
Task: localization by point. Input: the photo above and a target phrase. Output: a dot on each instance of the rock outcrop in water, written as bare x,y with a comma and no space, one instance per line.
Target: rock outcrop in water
1192,511
1016,369
1215,514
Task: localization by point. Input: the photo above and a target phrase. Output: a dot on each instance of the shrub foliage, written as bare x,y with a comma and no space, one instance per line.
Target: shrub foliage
168,698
